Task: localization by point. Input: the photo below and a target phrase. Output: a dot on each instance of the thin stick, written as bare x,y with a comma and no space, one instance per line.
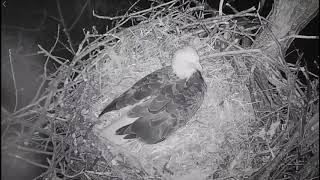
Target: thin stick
220,7
65,28
45,67
228,53
41,175
52,57
80,14
301,37
127,12
80,47
28,161
293,36
65,46
135,13
4,132
246,11
56,59
38,29
14,82
33,150
30,105
232,8
132,6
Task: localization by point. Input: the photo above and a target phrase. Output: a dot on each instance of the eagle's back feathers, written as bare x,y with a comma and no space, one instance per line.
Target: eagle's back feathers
143,88
162,102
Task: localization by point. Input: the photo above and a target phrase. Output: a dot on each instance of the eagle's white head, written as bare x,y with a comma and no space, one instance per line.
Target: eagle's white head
185,62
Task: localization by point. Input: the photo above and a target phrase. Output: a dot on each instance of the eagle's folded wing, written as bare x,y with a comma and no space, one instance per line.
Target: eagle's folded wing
174,105
141,90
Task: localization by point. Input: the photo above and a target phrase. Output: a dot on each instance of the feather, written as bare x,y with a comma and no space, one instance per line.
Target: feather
162,101
143,88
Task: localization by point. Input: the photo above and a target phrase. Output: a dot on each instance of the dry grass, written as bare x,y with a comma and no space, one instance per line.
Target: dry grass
233,135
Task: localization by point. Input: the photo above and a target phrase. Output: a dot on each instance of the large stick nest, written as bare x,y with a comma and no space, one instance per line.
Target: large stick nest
249,120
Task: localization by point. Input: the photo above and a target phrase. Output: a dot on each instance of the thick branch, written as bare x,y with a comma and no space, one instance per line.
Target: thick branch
288,17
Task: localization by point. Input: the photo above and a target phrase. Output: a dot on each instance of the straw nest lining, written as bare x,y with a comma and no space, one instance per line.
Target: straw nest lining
226,137
226,107
201,146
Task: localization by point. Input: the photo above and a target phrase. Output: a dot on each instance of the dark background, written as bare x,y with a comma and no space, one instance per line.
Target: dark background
38,19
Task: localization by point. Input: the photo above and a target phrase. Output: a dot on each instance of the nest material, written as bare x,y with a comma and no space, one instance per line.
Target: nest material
226,108
230,136
225,114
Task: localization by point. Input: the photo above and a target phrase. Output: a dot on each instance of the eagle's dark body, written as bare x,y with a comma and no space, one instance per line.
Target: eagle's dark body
162,102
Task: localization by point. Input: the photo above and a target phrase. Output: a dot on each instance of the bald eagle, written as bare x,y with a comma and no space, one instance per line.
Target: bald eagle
160,102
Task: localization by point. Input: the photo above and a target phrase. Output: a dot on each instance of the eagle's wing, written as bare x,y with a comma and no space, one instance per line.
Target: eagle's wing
141,90
171,108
